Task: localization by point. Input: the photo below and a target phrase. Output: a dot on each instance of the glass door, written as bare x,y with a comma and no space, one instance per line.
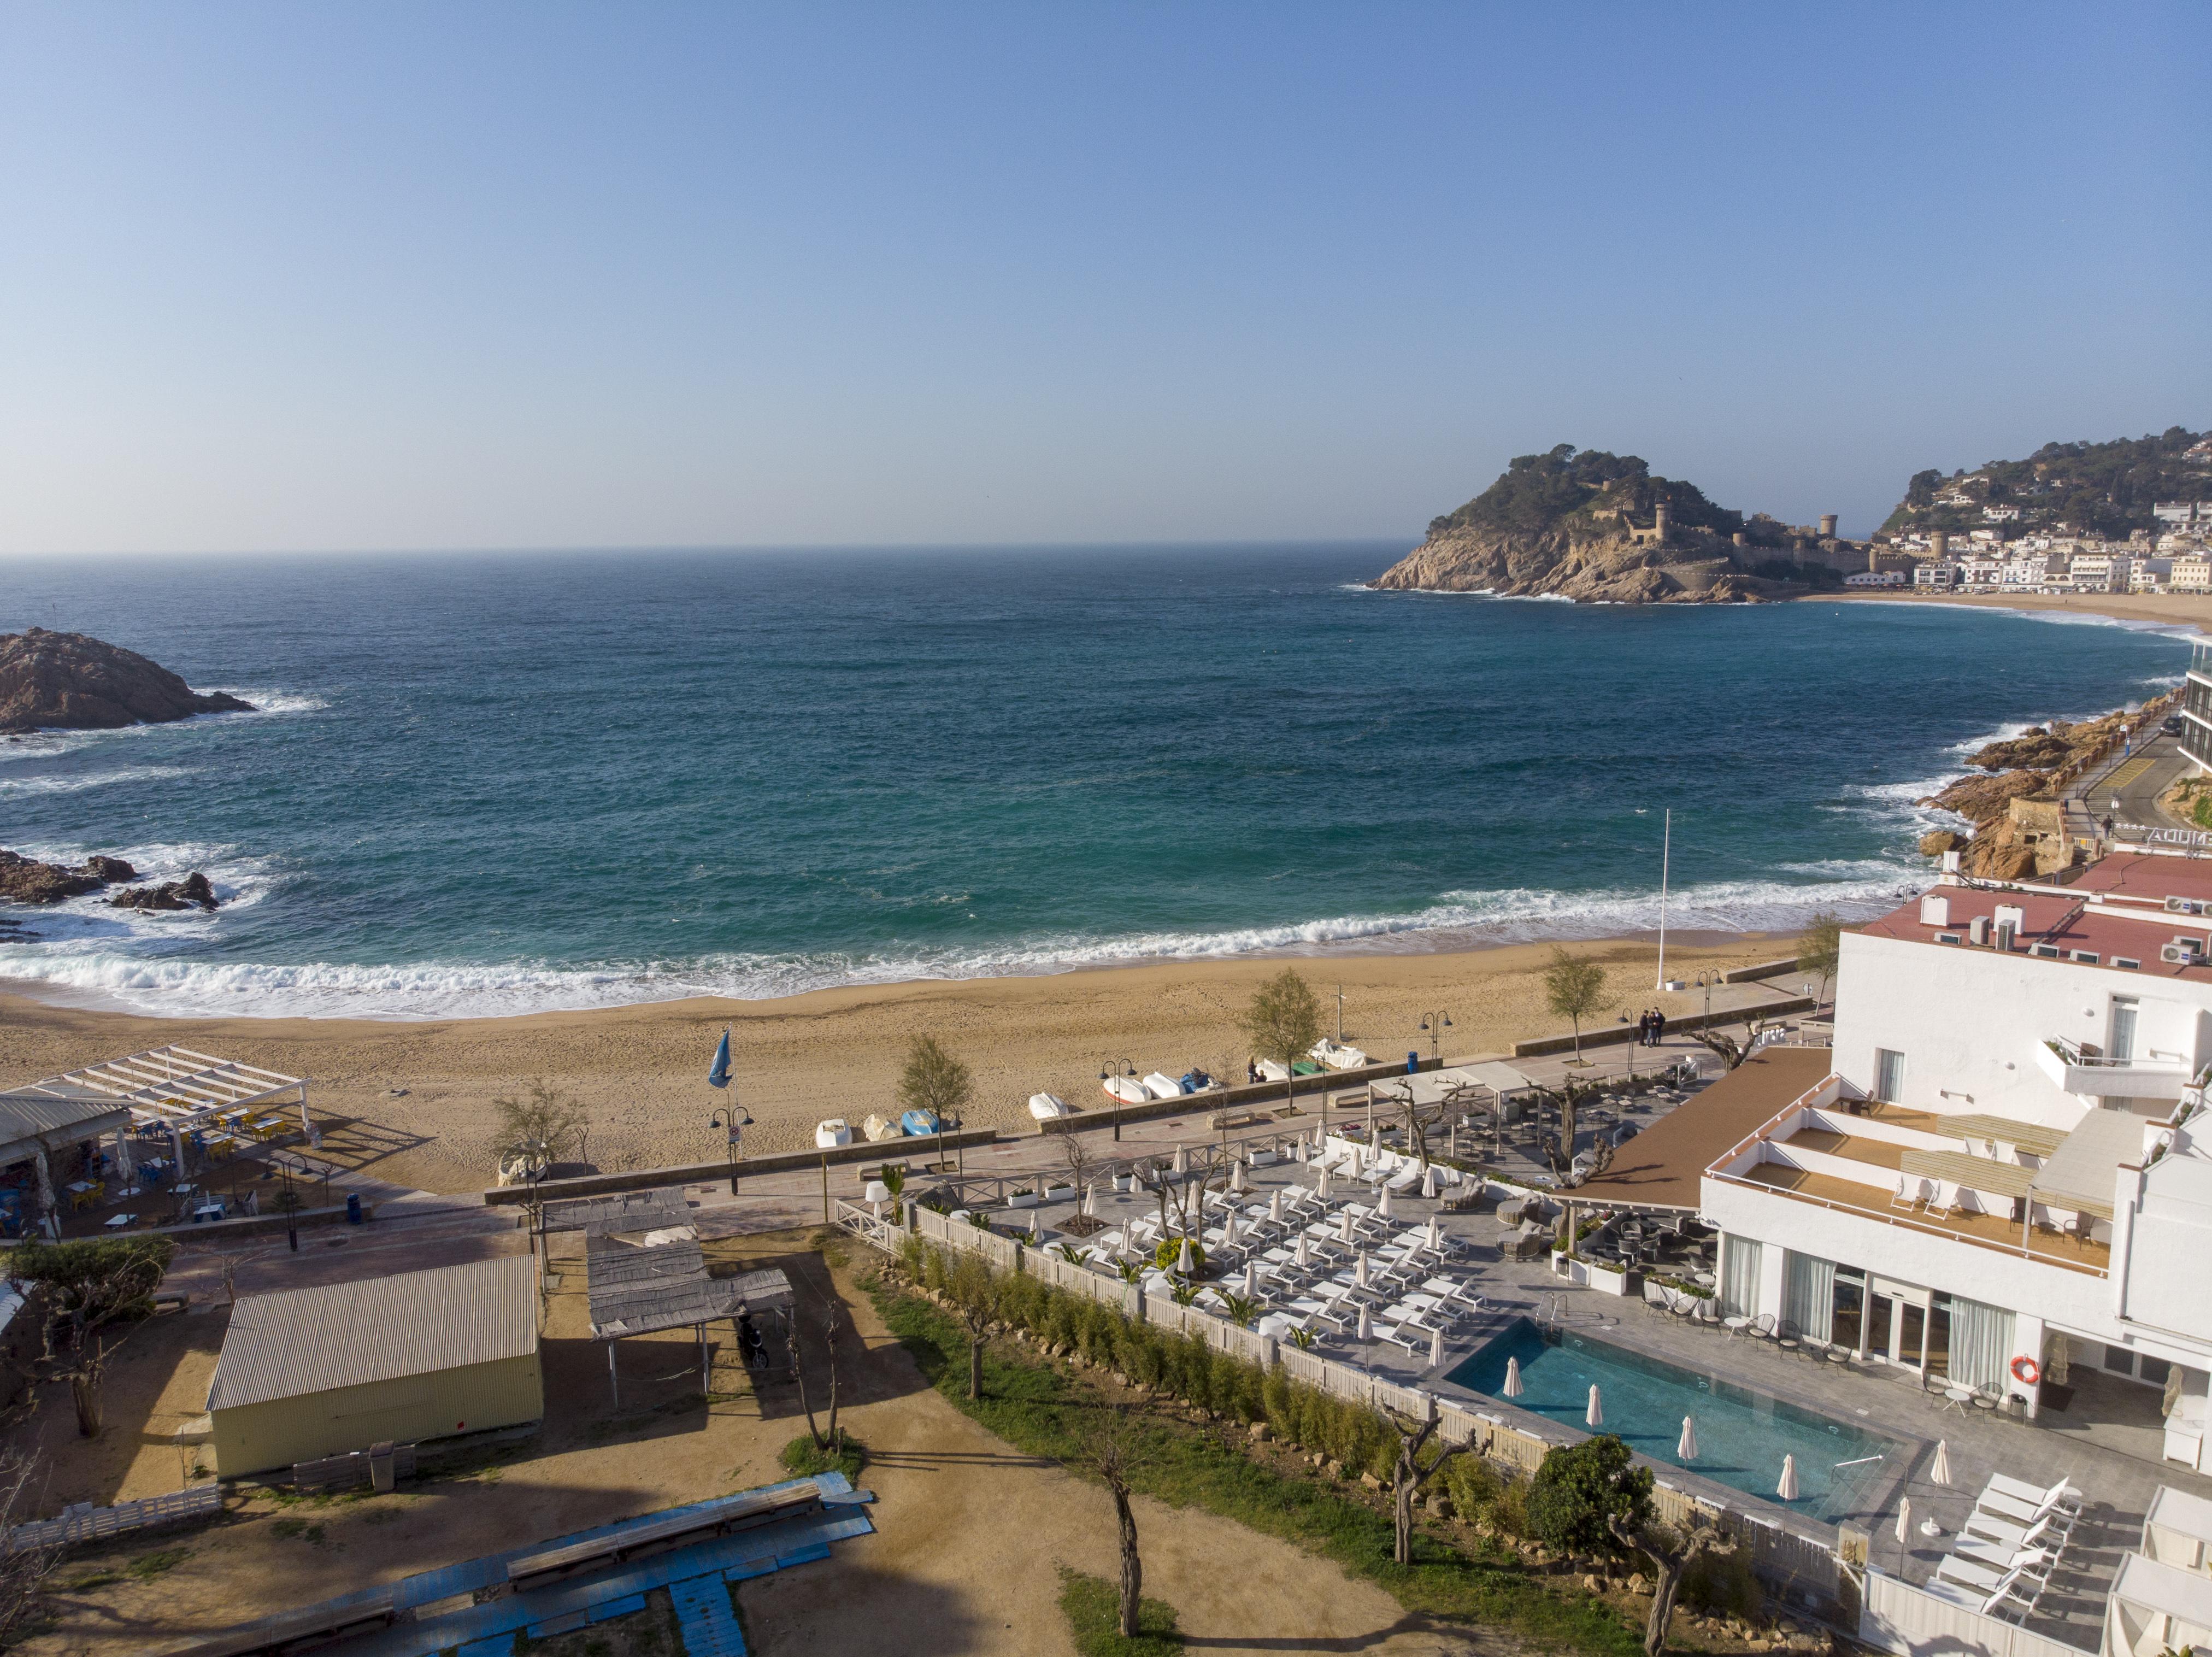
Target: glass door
2124,1027
1897,1323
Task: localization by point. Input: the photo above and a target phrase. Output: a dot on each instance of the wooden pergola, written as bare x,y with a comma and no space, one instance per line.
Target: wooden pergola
177,1089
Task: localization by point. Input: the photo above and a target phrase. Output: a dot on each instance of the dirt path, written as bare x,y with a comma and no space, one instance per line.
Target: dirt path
970,1534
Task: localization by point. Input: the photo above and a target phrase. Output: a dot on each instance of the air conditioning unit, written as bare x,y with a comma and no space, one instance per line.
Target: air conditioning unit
2183,952
2184,907
1978,931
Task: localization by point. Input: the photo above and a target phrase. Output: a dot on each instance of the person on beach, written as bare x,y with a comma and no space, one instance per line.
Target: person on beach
1644,1029
750,1344
1658,1026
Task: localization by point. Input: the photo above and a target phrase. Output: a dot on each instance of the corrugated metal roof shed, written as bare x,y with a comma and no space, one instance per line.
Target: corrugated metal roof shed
314,1340
27,1114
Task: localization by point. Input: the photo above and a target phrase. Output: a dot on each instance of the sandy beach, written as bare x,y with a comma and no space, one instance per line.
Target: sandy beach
641,1070
2179,610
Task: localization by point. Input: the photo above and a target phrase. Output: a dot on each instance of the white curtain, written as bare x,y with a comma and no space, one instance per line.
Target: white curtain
1809,1305
1740,1258
1981,1344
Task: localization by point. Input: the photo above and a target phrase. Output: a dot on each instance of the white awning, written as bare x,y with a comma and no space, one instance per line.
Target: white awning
174,1086
2177,1530
1499,1077
2155,1608
2081,1172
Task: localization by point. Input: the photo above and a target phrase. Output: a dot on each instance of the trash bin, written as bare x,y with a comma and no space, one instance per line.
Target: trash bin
353,1208
1414,1063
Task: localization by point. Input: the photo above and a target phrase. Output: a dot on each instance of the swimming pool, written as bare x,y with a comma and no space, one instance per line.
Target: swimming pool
1742,1436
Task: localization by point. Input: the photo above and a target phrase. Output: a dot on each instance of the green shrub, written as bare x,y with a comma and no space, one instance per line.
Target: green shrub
1580,1487
1093,1606
1168,1254
1471,1483
803,1458
1509,1510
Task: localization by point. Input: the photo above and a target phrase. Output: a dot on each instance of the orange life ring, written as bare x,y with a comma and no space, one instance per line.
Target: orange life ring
2026,1370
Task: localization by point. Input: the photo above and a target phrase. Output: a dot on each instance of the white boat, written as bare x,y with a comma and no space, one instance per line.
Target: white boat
878,1129
1049,1107
1161,1085
829,1135
1335,1055
1127,1090
1271,1071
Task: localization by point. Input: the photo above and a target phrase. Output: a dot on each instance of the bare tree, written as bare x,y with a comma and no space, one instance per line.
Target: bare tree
935,1081
973,1291
23,1567
1113,1450
1820,950
1282,1022
1408,1474
1732,1052
541,1125
1573,990
1672,1552
94,1284
832,1321
1421,1119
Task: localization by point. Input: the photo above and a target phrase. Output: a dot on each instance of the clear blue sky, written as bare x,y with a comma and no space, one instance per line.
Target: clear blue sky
390,274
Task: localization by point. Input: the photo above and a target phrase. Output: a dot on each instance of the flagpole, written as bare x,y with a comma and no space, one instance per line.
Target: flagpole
1666,852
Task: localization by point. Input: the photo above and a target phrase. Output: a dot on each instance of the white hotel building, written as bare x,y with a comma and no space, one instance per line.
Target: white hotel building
2000,1177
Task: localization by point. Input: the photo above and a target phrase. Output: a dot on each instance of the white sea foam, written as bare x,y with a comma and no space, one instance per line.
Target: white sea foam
105,957
76,784
267,701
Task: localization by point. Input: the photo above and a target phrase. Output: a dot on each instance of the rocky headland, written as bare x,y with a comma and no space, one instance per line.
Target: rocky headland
73,682
1587,525
2036,768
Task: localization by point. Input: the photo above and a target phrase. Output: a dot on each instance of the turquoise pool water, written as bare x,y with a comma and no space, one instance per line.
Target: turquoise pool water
1742,1436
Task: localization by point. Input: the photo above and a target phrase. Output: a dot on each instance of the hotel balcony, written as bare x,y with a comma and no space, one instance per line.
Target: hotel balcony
2077,1070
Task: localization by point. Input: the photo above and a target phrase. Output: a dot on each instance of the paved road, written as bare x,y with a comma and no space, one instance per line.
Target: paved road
2136,782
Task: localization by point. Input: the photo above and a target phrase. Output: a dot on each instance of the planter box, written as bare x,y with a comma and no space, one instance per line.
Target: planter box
1023,1199
1125,1182
1606,1279
1266,1159
1566,1266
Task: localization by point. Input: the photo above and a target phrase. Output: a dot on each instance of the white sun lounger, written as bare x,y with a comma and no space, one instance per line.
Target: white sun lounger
2014,1588
2062,1494
2050,1531
1970,1575
2032,1560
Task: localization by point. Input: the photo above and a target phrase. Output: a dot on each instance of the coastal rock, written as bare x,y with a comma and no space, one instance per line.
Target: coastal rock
1983,799
69,681
193,891
26,880
2034,749
1939,841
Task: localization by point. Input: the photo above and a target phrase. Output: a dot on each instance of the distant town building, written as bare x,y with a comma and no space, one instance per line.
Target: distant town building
1879,578
2193,573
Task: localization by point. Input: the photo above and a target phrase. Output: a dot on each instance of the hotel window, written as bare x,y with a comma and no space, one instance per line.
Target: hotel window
2124,1027
1847,1319
1888,1075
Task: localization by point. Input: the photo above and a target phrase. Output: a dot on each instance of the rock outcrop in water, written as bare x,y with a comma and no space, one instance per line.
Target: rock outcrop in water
1586,525
72,682
26,880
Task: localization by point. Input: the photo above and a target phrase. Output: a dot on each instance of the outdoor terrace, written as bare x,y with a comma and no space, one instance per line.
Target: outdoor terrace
1985,1230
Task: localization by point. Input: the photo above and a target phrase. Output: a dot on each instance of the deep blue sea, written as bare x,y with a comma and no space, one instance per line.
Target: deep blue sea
491,784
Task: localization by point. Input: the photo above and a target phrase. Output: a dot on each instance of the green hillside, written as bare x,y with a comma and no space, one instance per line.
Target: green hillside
2093,489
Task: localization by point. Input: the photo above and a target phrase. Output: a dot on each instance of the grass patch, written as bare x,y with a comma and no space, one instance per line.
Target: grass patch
286,1529
802,1458
1042,1412
1093,1606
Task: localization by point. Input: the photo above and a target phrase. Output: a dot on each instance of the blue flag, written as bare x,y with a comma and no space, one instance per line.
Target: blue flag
719,1075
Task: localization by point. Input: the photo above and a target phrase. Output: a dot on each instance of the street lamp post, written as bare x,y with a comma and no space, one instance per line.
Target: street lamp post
734,1119
1106,1068
1434,1024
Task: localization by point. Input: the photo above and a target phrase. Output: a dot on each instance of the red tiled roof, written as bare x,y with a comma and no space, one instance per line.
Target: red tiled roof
2149,878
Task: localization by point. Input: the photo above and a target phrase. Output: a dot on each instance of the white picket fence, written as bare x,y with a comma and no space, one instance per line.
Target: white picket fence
1791,1565
86,1524
1895,1616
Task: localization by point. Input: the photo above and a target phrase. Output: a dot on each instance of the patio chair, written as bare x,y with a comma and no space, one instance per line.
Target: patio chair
1967,1574
1943,1203
2061,1495
2038,1562
1405,1178
1397,1335
2050,1532
1910,1188
1997,1505
2016,1592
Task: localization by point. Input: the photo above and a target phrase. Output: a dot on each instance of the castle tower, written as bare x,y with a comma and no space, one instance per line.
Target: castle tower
1827,526
1939,543
1662,516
